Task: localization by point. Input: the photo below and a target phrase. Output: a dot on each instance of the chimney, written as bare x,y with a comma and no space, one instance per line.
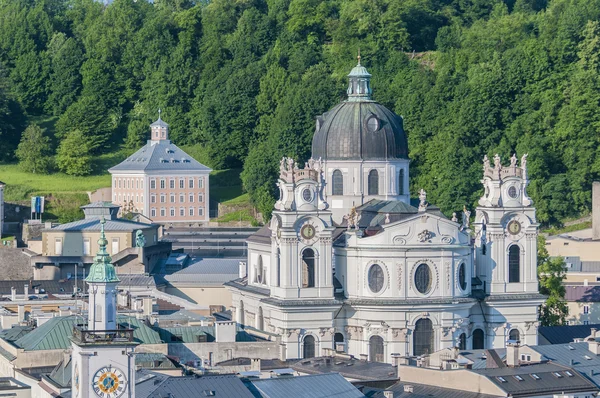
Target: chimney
21,313
13,293
395,359
593,332
282,352
147,304
594,347
388,394
408,388
255,364
243,270
596,210
26,291
512,354
225,331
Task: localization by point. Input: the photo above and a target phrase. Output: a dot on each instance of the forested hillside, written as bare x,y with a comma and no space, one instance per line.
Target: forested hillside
245,79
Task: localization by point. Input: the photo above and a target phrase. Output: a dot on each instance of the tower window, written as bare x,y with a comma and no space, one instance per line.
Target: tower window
308,268
376,278
514,264
337,183
373,182
376,349
514,335
462,276
401,182
309,347
423,337
478,339
462,341
423,278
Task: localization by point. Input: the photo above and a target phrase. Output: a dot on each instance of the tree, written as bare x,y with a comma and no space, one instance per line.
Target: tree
551,273
73,155
65,79
33,151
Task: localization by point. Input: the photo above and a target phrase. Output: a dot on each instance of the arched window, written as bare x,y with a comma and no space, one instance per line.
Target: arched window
514,335
240,315
401,182
462,277
373,183
478,339
337,183
423,337
514,264
278,280
309,347
260,323
308,268
338,338
462,341
376,349
259,270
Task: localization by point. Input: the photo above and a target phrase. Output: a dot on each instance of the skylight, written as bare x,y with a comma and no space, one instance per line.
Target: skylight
518,377
570,347
568,373
502,379
557,374
535,376
587,357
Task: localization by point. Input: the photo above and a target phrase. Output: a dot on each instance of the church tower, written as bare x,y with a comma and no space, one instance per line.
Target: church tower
302,234
506,234
103,362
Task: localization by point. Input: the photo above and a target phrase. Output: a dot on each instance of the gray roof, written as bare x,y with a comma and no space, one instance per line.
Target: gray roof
566,334
351,368
93,224
160,156
575,355
342,133
263,235
375,211
226,386
159,123
208,271
100,205
551,378
422,391
312,386
589,294
140,280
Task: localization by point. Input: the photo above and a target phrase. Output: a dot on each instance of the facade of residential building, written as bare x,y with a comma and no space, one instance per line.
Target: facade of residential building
162,182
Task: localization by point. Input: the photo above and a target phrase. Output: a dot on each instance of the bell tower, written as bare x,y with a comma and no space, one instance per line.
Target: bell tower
159,129
506,229
302,234
102,350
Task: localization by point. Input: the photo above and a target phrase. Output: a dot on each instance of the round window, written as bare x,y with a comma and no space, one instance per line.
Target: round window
462,276
512,192
373,124
307,195
376,278
423,279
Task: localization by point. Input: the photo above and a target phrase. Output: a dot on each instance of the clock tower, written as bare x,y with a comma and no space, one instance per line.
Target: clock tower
103,364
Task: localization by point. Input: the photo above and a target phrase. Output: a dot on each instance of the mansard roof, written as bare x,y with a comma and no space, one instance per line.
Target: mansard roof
161,155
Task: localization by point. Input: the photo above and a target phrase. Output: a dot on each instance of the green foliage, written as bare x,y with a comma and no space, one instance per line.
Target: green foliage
551,273
66,207
73,155
34,150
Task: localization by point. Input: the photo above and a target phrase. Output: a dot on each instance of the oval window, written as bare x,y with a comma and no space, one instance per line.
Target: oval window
423,279
307,195
373,124
376,278
462,276
512,192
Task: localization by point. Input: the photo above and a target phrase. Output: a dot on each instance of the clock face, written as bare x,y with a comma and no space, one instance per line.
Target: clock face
109,382
514,227
308,232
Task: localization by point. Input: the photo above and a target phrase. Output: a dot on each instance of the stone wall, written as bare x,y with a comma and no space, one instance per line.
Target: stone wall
15,264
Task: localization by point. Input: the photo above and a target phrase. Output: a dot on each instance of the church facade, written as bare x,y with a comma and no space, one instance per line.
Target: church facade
350,262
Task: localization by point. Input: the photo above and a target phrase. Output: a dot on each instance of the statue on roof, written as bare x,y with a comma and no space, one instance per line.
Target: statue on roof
513,160
352,218
497,164
486,163
466,217
140,239
422,200
524,161
454,218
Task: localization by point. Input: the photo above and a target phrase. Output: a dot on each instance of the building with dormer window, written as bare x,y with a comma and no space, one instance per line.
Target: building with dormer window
162,182
350,262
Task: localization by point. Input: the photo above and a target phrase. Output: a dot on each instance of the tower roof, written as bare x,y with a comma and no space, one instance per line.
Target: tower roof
102,270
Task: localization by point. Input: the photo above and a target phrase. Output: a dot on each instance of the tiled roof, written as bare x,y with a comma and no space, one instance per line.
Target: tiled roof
111,225
566,334
160,156
311,386
55,333
208,271
582,293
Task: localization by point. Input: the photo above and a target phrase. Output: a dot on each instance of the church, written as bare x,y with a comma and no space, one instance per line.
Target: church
350,262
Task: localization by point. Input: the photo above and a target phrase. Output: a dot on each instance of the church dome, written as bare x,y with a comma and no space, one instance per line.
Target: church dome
359,128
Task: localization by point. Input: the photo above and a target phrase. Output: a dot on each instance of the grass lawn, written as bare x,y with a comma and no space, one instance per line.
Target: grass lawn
570,228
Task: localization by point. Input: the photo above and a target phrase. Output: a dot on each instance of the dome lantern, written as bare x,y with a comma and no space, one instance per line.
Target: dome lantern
359,83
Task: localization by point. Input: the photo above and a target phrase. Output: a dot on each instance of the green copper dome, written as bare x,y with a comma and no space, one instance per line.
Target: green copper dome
102,270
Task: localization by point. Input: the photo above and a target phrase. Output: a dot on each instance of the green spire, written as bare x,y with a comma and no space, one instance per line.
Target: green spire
102,270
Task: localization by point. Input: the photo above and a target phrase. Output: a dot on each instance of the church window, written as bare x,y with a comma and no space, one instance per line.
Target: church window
308,268
309,347
423,337
376,278
373,124
514,335
110,313
373,182
514,264
462,341
338,338
423,278
478,339
98,313
512,192
307,195
259,270
337,183
376,349
401,182
462,276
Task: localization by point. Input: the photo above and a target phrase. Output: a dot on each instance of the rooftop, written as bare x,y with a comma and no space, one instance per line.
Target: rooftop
566,334
212,271
311,386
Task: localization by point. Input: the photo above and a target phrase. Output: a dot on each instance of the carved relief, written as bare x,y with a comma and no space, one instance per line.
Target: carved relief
400,266
400,334
448,275
447,239
328,331
424,236
398,240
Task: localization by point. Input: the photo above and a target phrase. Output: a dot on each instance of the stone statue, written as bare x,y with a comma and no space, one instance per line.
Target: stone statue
524,161
140,239
422,200
352,219
497,164
454,218
486,163
513,160
290,164
387,218
466,216
282,165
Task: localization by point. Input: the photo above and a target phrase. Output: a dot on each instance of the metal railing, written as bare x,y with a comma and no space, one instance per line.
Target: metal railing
82,334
